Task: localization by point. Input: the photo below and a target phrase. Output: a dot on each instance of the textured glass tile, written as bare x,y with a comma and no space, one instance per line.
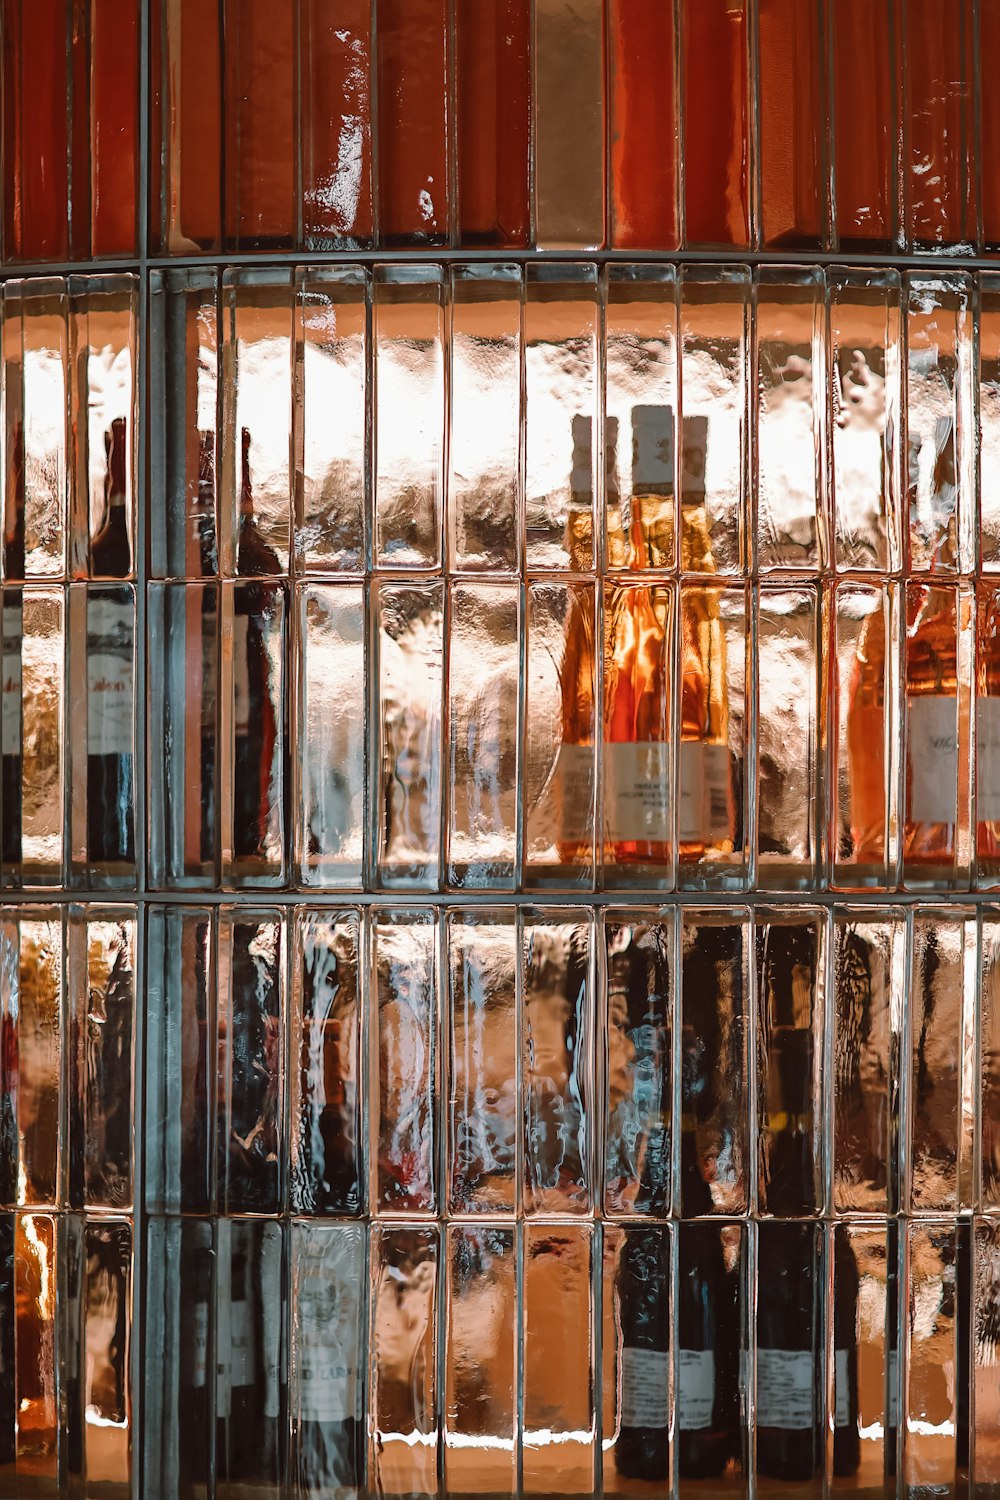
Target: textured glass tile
569,123
985,1454
403,987
33,1018
559,770
484,461
988,1101
480,1374
187,39
254,733
38,1346
402,1404
711,1427
492,70
252,1017
863,1402
557,1359
935,1407
789,745
335,124
100,1418
939,145
790,1362
413,132
179,1407
644,125
484,621
988,376
36,437
259,124
986,726
102,708
181,1060
865,446
716,88
792,115
101,983
251,1333
864,61
35,705
327,1147
637,1340
331,395
483,1072
557,1084
638,1061
409,323
330,731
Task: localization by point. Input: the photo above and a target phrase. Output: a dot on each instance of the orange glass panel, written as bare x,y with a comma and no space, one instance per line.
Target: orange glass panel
716,122
989,48
260,188
35,179
864,88
413,121
792,117
186,41
644,124
492,40
114,125
938,116
335,46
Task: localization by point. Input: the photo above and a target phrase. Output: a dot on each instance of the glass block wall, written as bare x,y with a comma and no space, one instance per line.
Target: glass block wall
500,819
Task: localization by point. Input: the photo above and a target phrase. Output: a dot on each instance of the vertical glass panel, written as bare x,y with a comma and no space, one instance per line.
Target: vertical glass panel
8,1348
792,118
327,1313
865,69
11,707
931,1398
638,1062
32,1018
36,1247
937,670
986,1367
941,1047
790,1353
102,354
483,697
868,997
644,126
637,1378
255,500
414,106
480,1397
569,123
711,807
987,734
182,414
560,771
183,733
330,409
326,1149
410,645
863,1366
711,1430
988,43
864,439
484,461
409,417
115,69
254,741
101,978
335,124
330,727
989,420
638,712
865,733
251,1019
939,424
791,995
36,377
181,1060
402,1406
989,1043
714,1096
791,437
187,103
260,81
562,458
105,1389
715,87
640,424
483,1105
39,728
251,1340
102,717
788,738
404,999
939,167
715,333
556,1060
557,1351
36,167
493,87
179,1412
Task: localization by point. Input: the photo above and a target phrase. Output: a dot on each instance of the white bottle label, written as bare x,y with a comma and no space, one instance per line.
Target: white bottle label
696,1389
785,1394
933,756
10,702
841,1388
893,1388
704,792
645,1388
326,1357
241,1360
197,1353
110,637
573,792
987,760
636,792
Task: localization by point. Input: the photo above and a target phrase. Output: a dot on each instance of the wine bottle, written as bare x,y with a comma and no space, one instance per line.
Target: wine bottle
639,1135
329,1433
194,1399
251,1166
846,1431
327,1169
239,1382
642,1449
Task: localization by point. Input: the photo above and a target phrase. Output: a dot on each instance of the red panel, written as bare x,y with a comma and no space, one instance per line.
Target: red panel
989,48
335,54
716,121
36,183
644,125
864,83
260,176
792,121
938,73
114,114
493,121
413,122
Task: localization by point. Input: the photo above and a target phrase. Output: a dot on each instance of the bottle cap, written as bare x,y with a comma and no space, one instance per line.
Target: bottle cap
652,450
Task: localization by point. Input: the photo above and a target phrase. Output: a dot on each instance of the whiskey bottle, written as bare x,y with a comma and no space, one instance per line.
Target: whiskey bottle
637,668
110,705
255,724
642,1450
